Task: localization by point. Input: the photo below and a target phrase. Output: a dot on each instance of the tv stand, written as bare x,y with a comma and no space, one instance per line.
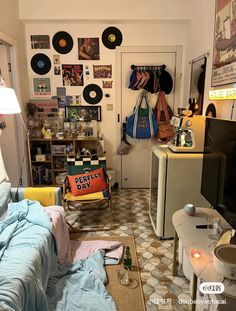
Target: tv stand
195,241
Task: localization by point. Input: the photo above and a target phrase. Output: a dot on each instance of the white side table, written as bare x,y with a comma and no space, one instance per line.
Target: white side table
196,239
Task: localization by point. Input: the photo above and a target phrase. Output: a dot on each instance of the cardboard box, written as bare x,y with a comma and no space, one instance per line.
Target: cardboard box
40,157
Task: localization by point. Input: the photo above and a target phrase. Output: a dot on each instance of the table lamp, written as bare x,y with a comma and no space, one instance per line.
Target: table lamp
9,103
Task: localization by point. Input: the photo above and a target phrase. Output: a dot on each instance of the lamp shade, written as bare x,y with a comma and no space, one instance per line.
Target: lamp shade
8,101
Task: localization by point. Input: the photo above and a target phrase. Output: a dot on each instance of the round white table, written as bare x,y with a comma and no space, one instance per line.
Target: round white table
194,239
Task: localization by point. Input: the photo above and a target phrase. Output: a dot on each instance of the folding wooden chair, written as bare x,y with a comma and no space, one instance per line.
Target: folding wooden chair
89,212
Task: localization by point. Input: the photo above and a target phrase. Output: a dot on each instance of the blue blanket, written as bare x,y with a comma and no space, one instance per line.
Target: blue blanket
80,287
31,278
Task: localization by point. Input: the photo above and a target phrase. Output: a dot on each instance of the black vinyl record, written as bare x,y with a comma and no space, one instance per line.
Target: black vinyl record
62,42
92,94
112,37
40,63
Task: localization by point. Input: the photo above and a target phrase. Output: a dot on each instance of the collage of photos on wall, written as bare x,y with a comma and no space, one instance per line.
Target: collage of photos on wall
73,73
54,77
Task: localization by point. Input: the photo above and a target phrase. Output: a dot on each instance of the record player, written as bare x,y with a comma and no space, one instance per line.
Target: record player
189,133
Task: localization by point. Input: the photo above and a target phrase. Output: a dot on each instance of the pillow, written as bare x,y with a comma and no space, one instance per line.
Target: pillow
90,182
5,195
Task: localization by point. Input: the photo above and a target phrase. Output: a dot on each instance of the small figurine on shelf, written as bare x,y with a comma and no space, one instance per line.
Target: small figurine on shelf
85,152
69,148
47,134
46,130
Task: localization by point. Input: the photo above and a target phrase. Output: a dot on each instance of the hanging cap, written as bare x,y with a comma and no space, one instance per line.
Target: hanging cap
166,82
149,85
132,79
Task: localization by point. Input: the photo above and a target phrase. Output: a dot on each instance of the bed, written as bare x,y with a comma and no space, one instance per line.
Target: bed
40,268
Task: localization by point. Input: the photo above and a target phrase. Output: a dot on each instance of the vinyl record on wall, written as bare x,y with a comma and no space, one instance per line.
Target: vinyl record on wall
40,63
92,94
62,42
112,37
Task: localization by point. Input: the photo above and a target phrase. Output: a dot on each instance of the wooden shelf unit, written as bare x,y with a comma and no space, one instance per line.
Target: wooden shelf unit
55,153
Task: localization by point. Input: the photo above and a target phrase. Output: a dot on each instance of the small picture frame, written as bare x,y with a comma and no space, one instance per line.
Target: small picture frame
83,113
58,149
41,87
102,71
40,42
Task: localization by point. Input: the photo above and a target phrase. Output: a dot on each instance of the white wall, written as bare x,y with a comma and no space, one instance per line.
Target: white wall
189,23
200,41
134,34
105,10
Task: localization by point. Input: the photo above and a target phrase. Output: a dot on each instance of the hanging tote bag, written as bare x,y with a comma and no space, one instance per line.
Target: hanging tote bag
165,131
124,146
142,124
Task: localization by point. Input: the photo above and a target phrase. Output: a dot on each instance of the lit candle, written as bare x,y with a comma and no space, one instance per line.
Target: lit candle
195,254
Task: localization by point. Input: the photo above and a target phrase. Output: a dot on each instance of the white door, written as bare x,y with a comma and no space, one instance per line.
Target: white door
8,137
135,167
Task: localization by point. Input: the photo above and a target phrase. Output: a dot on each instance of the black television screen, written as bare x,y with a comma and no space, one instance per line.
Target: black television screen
219,167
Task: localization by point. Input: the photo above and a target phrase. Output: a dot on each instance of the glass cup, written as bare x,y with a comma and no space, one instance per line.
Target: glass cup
213,228
123,277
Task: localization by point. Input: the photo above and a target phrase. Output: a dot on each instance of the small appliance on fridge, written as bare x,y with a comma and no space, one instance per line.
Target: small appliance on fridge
175,180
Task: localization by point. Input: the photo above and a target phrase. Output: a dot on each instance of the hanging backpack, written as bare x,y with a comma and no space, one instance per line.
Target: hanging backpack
165,131
142,124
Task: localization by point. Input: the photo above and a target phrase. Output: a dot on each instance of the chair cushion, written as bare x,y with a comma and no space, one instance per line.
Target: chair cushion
86,197
93,181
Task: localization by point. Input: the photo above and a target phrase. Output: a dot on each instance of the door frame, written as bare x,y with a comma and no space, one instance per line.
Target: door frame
13,58
14,83
177,49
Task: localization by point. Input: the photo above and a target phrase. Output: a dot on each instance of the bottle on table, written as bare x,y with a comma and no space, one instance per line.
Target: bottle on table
127,259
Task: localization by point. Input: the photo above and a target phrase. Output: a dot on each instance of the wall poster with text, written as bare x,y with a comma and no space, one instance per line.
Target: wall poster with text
224,50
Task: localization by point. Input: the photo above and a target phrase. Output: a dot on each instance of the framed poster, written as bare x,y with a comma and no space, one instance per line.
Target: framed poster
83,113
88,48
41,87
72,75
102,71
224,49
40,42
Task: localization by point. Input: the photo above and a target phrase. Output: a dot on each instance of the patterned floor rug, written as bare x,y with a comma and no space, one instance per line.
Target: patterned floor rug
162,291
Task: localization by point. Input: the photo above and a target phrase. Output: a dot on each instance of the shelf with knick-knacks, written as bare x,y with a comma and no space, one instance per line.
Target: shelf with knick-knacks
56,137
49,157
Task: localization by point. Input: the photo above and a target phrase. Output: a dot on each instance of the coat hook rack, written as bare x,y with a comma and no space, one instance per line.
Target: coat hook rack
148,67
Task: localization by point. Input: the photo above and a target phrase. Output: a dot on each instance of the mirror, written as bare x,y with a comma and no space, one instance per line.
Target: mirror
197,84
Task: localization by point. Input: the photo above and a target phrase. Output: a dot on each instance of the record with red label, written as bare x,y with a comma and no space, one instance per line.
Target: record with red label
40,63
92,94
62,42
112,37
